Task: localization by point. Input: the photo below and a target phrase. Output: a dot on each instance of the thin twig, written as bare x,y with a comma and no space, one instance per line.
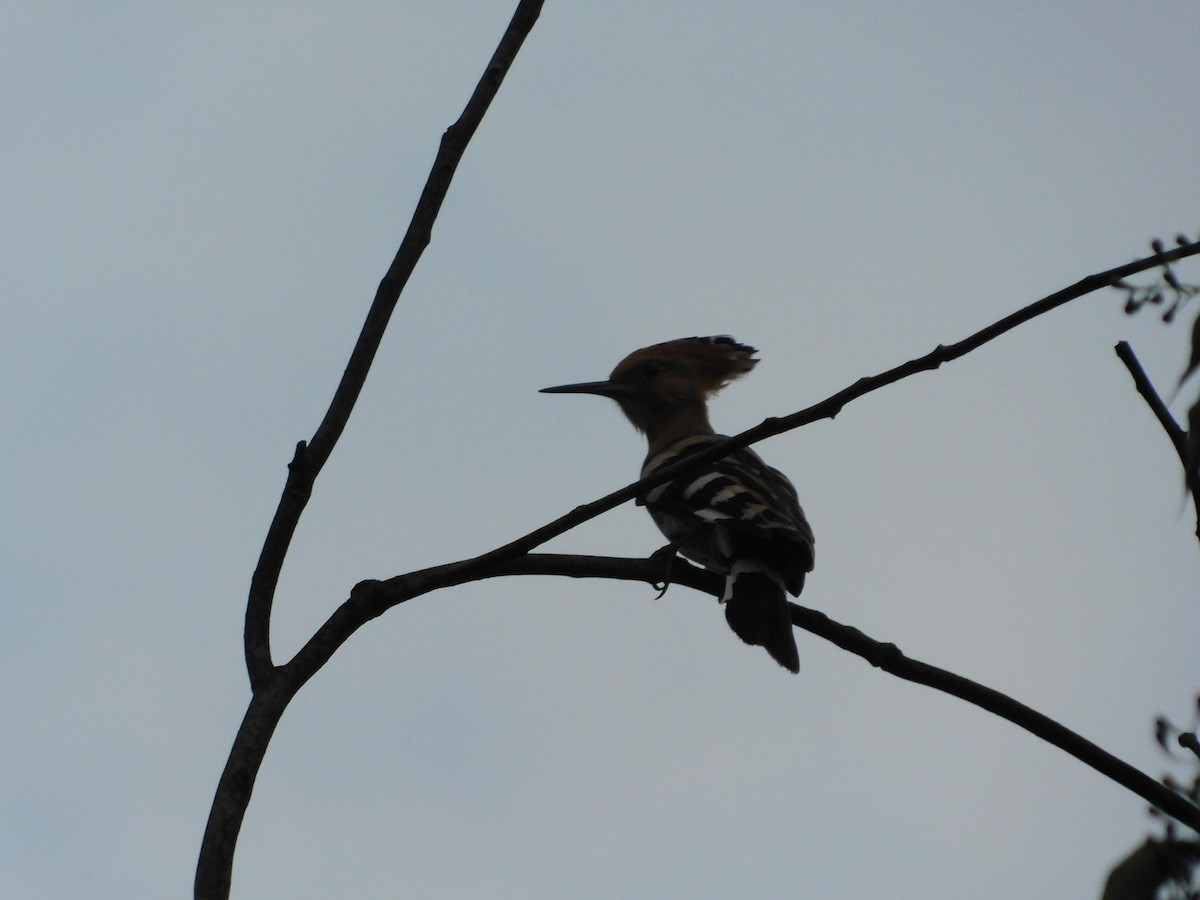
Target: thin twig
1175,433
1142,382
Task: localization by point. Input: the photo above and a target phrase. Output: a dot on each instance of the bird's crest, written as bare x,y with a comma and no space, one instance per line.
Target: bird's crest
712,361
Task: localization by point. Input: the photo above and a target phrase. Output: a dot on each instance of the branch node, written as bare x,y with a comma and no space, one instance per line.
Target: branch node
887,657
366,591
300,459
262,676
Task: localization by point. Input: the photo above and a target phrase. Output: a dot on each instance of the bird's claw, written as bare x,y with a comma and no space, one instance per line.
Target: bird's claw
665,556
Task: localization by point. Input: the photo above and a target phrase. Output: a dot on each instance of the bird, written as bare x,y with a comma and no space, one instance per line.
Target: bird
735,516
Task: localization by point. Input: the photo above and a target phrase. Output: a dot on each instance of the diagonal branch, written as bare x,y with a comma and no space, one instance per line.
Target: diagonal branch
831,406
889,658
274,687
372,598
311,457
1141,381
1175,434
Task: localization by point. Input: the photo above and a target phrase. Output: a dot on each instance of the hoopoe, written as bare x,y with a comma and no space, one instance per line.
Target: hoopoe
736,516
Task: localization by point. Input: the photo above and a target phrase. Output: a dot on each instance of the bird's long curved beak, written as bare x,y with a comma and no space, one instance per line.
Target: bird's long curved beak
603,388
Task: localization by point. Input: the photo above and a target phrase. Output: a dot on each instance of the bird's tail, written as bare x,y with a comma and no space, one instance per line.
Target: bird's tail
756,609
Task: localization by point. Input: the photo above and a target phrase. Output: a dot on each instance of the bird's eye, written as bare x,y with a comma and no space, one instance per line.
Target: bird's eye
651,370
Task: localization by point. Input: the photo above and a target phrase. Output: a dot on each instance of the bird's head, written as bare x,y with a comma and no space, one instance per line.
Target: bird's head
666,386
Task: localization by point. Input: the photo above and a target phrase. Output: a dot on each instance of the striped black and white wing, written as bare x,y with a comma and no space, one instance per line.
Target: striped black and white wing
734,508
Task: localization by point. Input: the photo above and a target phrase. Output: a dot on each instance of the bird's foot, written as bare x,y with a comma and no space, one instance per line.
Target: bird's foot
665,556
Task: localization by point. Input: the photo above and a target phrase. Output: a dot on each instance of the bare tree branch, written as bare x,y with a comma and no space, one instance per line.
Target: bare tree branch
214,868
372,598
889,658
831,406
379,596
1177,435
1142,382
310,458
274,686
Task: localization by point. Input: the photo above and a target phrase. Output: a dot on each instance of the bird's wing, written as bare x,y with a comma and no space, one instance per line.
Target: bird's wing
756,504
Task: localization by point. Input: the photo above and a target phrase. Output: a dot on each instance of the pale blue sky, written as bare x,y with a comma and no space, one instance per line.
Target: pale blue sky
197,206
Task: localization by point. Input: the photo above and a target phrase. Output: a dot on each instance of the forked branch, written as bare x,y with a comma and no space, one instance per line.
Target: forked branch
271,694
274,686
371,599
310,457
